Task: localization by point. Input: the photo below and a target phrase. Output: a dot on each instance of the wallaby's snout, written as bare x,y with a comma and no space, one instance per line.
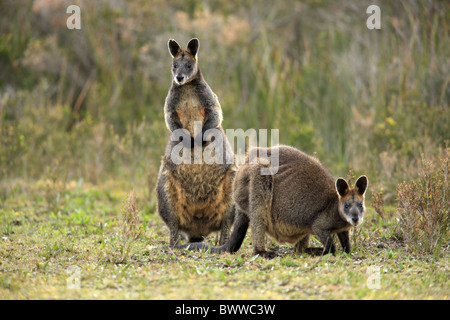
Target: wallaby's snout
355,213
355,219
180,79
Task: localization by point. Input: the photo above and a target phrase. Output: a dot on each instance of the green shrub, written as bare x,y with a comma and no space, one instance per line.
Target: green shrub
423,207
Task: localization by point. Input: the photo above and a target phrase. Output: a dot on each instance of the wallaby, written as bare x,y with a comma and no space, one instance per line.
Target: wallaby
194,199
300,200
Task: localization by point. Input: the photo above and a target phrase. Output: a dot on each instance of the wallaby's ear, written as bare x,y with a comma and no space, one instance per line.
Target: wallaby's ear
193,46
341,187
174,47
361,184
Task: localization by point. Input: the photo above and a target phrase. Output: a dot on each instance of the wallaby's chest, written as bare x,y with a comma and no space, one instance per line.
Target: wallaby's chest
190,109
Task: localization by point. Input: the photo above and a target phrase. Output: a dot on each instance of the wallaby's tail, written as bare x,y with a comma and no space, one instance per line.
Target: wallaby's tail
237,236
232,245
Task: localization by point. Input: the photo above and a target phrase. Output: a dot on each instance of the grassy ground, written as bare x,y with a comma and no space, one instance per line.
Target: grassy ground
82,124
67,244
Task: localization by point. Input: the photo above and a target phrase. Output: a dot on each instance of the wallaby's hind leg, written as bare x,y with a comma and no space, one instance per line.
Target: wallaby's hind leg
302,244
172,224
258,227
327,241
260,207
195,239
165,210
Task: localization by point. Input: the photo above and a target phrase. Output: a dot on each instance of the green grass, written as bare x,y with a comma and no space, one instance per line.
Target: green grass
43,252
375,101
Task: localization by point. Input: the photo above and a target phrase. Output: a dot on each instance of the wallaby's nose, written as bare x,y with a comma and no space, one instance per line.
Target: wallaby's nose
180,78
355,220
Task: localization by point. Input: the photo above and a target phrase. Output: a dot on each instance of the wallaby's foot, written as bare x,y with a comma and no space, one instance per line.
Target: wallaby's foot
195,239
315,251
266,254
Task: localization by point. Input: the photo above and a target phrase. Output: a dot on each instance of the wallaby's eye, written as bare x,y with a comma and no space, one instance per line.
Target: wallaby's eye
360,205
346,206
175,66
189,66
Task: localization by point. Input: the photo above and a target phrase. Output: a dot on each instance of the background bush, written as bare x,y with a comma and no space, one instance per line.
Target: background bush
424,206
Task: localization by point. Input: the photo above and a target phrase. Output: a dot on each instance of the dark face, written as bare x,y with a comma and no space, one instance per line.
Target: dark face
184,68
351,200
184,63
351,208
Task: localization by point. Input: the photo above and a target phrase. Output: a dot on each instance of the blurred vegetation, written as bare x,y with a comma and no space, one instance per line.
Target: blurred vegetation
424,207
88,104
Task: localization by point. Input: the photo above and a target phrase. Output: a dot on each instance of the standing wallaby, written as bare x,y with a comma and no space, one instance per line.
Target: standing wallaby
194,198
300,200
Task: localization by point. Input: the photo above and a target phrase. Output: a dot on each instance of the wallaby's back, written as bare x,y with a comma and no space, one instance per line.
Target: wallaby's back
310,185
302,187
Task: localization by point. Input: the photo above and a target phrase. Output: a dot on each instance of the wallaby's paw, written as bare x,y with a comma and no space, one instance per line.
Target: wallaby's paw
314,251
267,254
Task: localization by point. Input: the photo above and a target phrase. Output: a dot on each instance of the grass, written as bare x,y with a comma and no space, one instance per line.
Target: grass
81,125
42,251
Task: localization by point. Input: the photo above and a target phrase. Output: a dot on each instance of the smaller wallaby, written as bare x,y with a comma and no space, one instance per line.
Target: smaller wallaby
300,200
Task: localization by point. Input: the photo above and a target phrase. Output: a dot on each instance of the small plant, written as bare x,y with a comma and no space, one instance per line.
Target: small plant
53,189
378,203
423,207
130,224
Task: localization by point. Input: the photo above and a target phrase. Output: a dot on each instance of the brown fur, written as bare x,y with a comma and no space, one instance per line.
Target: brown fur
191,110
298,201
200,204
194,199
